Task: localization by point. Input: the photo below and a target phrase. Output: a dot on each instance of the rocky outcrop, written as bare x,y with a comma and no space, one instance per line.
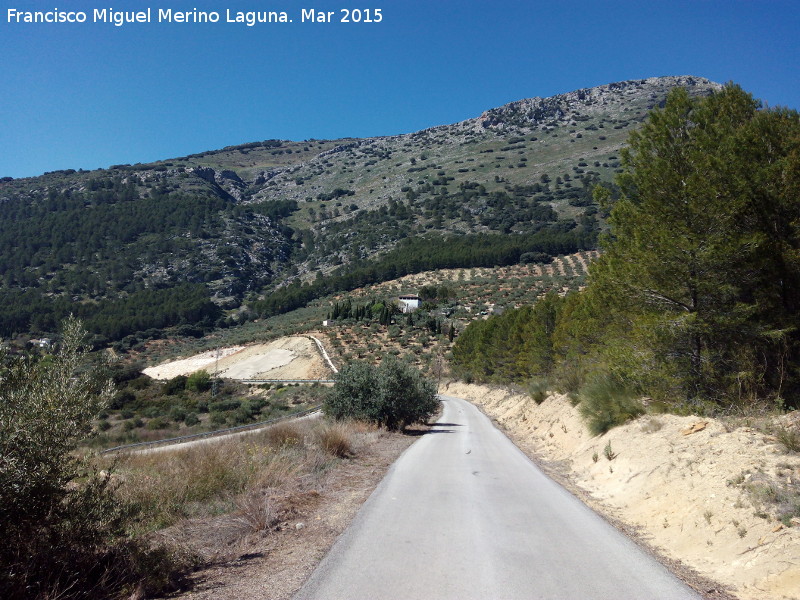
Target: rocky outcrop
531,113
226,180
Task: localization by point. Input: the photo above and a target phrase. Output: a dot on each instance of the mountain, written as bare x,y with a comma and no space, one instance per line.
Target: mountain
269,225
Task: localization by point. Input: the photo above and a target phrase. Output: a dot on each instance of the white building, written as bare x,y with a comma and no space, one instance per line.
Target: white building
408,303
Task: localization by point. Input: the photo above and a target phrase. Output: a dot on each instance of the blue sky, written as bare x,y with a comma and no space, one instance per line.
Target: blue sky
90,95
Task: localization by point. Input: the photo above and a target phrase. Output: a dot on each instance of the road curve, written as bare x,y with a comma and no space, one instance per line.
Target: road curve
464,514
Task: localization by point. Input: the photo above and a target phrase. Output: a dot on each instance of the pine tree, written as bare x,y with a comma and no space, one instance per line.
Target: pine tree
701,270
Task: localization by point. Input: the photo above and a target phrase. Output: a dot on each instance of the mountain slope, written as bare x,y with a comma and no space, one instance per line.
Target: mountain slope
207,232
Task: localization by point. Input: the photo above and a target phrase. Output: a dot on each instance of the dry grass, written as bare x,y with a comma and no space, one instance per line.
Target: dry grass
336,440
789,439
284,434
242,477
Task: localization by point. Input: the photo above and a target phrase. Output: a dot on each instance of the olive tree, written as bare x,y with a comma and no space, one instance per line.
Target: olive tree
392,395
61,525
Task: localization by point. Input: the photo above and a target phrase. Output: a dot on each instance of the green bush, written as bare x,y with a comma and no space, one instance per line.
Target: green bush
64,531
225,405
538,390
393,395
607,402
199,381
218,419
122,398
177,413
158,423
175,385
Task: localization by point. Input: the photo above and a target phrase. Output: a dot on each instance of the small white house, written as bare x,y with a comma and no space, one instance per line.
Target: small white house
408,303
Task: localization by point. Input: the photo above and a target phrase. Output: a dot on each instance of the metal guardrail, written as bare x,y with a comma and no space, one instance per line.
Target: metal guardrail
309,381
215,433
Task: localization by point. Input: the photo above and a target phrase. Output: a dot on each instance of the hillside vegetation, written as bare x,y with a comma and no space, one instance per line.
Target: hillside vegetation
694,300
209,240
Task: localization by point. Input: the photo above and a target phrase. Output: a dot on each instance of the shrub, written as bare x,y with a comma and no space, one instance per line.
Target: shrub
335,440
175,385
241,416
199,381
158,423
393,395
789,438
62,527
122,398
177,413
284,434
607,402
225,405
535,257
537,389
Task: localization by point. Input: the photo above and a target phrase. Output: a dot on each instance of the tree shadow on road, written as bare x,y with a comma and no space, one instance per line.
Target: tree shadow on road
431,428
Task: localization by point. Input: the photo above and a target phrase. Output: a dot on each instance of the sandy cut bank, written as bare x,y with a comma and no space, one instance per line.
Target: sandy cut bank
285,358
708,493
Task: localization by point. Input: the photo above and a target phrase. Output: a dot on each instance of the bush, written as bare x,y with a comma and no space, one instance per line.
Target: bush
62,526
158,423
218,419
335,440
537,389
177,413
535,257
225,405
607,402
199,381
393,395
789,438
122,398
284,434
175,385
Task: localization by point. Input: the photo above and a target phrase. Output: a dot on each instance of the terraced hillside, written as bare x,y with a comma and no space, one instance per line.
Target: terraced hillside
470,294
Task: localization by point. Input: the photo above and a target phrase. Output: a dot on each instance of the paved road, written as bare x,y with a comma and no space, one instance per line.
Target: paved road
464,514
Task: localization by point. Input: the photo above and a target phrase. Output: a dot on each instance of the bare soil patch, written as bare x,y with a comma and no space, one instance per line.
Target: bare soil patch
292,357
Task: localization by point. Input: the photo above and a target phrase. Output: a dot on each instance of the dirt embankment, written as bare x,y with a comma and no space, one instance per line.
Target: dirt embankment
285,358
698,490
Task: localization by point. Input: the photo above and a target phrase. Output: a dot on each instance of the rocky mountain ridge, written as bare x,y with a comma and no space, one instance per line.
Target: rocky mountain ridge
247,219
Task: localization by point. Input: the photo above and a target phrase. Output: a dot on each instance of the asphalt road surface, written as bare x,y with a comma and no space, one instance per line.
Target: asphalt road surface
464,514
